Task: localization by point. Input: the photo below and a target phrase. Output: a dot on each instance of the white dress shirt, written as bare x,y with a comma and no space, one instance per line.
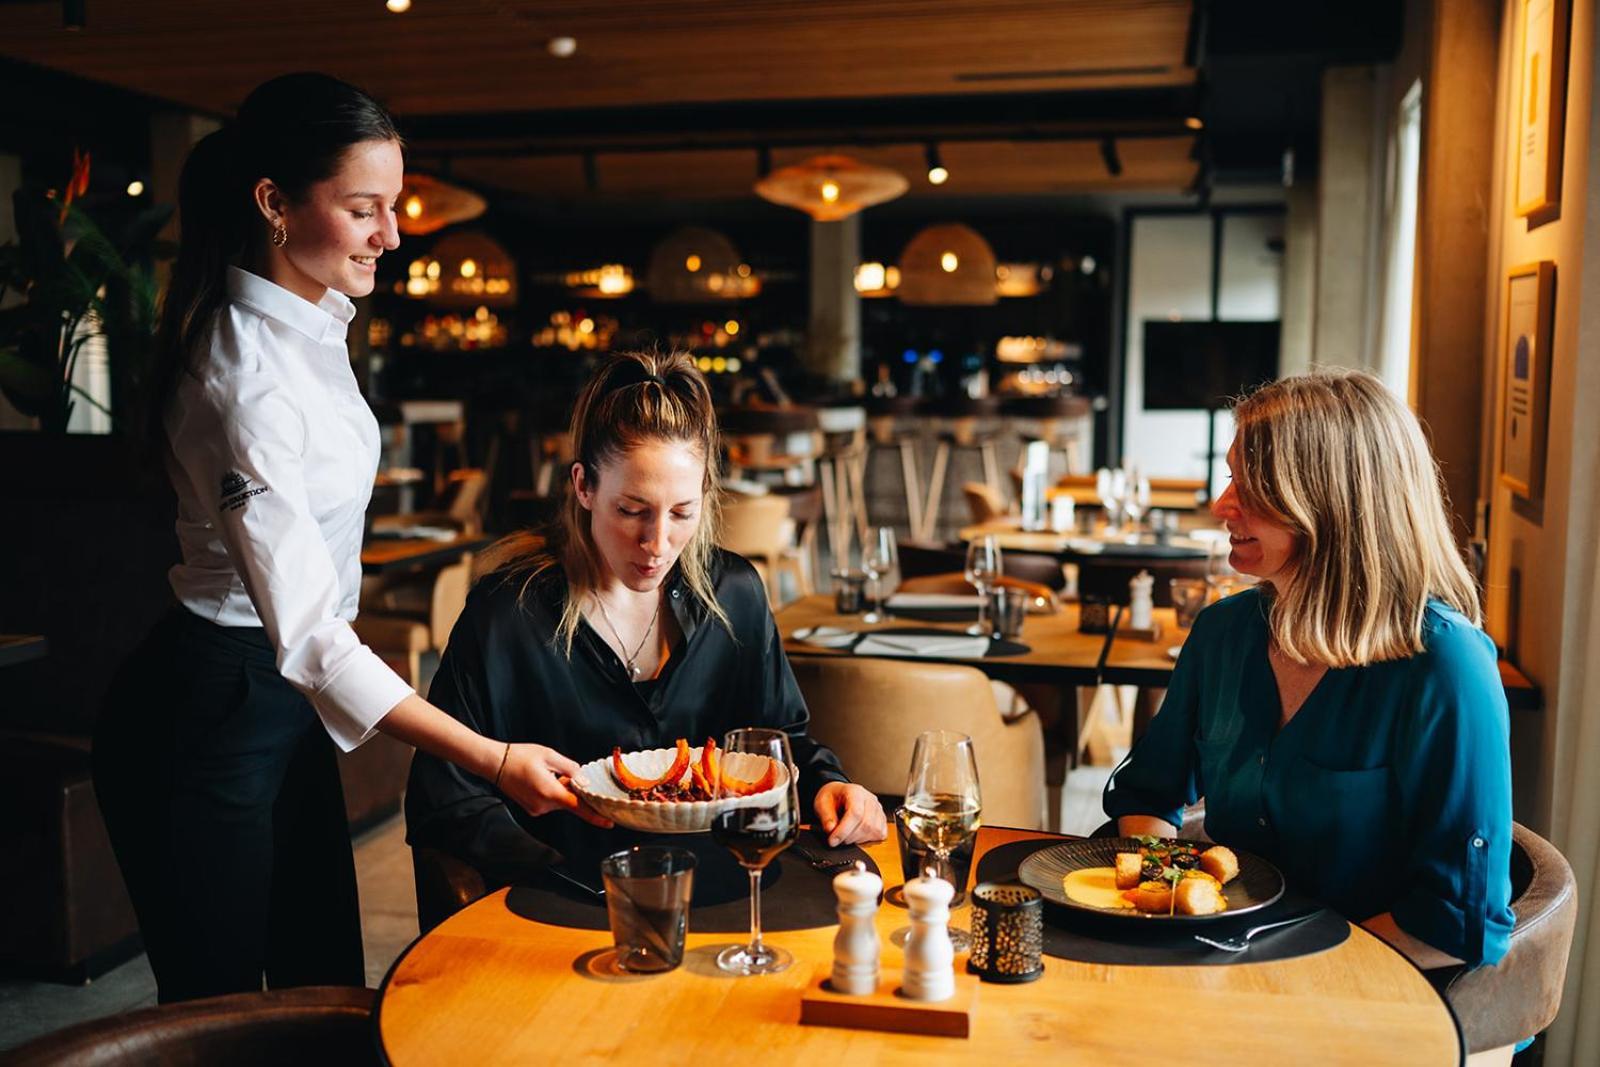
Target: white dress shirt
273,455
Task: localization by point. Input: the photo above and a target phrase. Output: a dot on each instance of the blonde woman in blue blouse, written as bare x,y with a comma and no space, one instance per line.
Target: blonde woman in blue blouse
1344,718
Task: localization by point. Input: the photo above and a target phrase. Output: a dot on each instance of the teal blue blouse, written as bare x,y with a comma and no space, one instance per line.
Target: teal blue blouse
1389,790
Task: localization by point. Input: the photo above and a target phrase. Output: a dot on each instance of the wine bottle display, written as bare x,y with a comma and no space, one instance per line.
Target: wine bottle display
943,820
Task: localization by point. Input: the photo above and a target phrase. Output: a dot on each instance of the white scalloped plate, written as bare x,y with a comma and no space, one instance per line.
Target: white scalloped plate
599,790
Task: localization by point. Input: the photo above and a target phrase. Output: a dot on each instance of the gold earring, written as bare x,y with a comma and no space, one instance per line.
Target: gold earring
280,236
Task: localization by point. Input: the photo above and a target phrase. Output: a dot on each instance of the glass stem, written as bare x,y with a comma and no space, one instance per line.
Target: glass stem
983,606
755,911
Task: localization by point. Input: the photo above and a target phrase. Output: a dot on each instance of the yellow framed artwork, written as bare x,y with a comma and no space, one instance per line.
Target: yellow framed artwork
1525,377
1541,106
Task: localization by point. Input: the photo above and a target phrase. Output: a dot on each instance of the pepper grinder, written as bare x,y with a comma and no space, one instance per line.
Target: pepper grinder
1141,602
855,946
930,958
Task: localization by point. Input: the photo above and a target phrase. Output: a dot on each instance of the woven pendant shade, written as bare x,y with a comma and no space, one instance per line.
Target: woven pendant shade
830,188
428,204
696,265
473,270
947,265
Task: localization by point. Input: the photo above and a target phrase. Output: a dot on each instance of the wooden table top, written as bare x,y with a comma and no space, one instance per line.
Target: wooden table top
1132,661
489,986
1085,496
1058,652
382,554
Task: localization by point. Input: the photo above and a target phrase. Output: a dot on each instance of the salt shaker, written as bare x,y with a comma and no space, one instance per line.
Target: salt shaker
930,958
1141,605
855,946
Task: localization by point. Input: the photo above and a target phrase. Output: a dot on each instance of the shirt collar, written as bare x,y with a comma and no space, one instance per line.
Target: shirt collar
326,322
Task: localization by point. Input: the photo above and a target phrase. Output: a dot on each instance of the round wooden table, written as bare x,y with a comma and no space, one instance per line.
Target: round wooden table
487,986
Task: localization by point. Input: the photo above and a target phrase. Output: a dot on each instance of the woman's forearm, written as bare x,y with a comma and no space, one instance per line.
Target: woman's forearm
1421,953
420,724
1145,825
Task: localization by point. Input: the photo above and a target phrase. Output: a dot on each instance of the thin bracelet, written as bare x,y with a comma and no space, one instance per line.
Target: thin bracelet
503,757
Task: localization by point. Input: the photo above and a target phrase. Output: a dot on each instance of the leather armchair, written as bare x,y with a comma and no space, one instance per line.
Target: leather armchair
1519,996
445,885
870,711
316,1024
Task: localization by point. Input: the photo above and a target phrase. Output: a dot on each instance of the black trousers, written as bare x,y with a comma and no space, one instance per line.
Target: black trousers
221,793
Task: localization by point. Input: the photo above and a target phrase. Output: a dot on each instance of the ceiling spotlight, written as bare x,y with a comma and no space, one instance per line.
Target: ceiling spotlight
1108,152
937,174
1195,122
136,188
562,47
399,7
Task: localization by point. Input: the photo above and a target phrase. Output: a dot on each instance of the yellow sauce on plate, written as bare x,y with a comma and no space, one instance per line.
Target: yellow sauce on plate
1094,886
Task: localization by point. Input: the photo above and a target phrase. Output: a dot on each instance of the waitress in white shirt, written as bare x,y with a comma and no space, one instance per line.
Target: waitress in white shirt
214,755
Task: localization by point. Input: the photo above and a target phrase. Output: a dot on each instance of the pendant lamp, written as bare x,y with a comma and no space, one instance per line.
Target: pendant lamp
830,188
428,204
947,265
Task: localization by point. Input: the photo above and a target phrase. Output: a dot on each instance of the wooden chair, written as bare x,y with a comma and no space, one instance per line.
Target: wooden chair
755,527
463,509
984,502
870,711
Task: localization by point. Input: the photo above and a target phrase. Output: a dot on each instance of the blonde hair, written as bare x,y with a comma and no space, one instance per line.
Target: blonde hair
634,398
1344,464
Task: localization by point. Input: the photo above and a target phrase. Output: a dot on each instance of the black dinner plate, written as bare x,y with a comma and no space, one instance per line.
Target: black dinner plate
1259,883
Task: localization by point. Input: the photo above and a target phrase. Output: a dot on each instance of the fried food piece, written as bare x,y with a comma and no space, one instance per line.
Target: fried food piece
1152,897
1129,864
1220,863
1198,896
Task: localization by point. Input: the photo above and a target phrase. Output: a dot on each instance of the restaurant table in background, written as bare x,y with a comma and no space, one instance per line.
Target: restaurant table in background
384,554
20,648
1071,545
488,985
1087,496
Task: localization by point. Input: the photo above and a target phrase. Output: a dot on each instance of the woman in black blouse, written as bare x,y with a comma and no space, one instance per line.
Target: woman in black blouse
630,629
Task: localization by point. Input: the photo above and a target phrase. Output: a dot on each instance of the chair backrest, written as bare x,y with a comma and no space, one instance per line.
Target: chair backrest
984,501
466,501
752,526
870,711
314,1024
450,587
1519,996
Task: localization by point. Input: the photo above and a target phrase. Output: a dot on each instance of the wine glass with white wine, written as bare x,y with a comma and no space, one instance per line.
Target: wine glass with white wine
943,803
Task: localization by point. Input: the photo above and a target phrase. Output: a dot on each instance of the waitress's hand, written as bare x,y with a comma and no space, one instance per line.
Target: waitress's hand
850,814
536,777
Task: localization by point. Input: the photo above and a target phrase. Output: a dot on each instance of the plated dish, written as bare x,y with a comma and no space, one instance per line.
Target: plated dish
667,790
1152,878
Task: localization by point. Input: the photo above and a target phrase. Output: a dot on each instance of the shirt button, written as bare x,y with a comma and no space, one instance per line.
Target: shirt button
1262,821
674,594
1262,759
1477,842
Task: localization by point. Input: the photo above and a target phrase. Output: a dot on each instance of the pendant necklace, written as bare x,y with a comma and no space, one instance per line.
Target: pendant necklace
633,660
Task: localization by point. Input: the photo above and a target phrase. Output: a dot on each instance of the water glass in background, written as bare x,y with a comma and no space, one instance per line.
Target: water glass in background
984,564
848,592
1008,608
648,889
1188,597
880,559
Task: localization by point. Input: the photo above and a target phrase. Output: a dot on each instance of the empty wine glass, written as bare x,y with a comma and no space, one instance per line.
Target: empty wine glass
1137,502
943,803
1112,488
879,559
984,565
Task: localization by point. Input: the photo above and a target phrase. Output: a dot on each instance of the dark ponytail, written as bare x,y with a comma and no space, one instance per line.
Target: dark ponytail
294,130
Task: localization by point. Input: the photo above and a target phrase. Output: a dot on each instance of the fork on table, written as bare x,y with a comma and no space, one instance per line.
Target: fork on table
1241,942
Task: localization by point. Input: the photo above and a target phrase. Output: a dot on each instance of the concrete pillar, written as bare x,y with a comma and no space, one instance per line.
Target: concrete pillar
1346,261
1299,280
833,345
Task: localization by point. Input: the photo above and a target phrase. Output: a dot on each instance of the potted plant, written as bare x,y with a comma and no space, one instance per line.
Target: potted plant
76,283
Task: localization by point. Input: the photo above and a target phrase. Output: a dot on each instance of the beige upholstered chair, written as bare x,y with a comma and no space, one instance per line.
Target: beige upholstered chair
870,711
463,509
402,621
984,501
757,528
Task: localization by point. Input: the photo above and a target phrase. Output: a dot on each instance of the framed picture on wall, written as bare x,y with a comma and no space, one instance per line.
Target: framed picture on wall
1541,112
1525,377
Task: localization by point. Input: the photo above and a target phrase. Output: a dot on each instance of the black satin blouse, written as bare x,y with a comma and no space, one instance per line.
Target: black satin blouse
505,675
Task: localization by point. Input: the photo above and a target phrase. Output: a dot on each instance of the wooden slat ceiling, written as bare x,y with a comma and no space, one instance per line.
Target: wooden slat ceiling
976,169
455,57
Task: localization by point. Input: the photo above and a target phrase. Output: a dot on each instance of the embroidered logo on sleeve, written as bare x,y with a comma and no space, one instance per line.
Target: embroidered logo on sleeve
237,491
